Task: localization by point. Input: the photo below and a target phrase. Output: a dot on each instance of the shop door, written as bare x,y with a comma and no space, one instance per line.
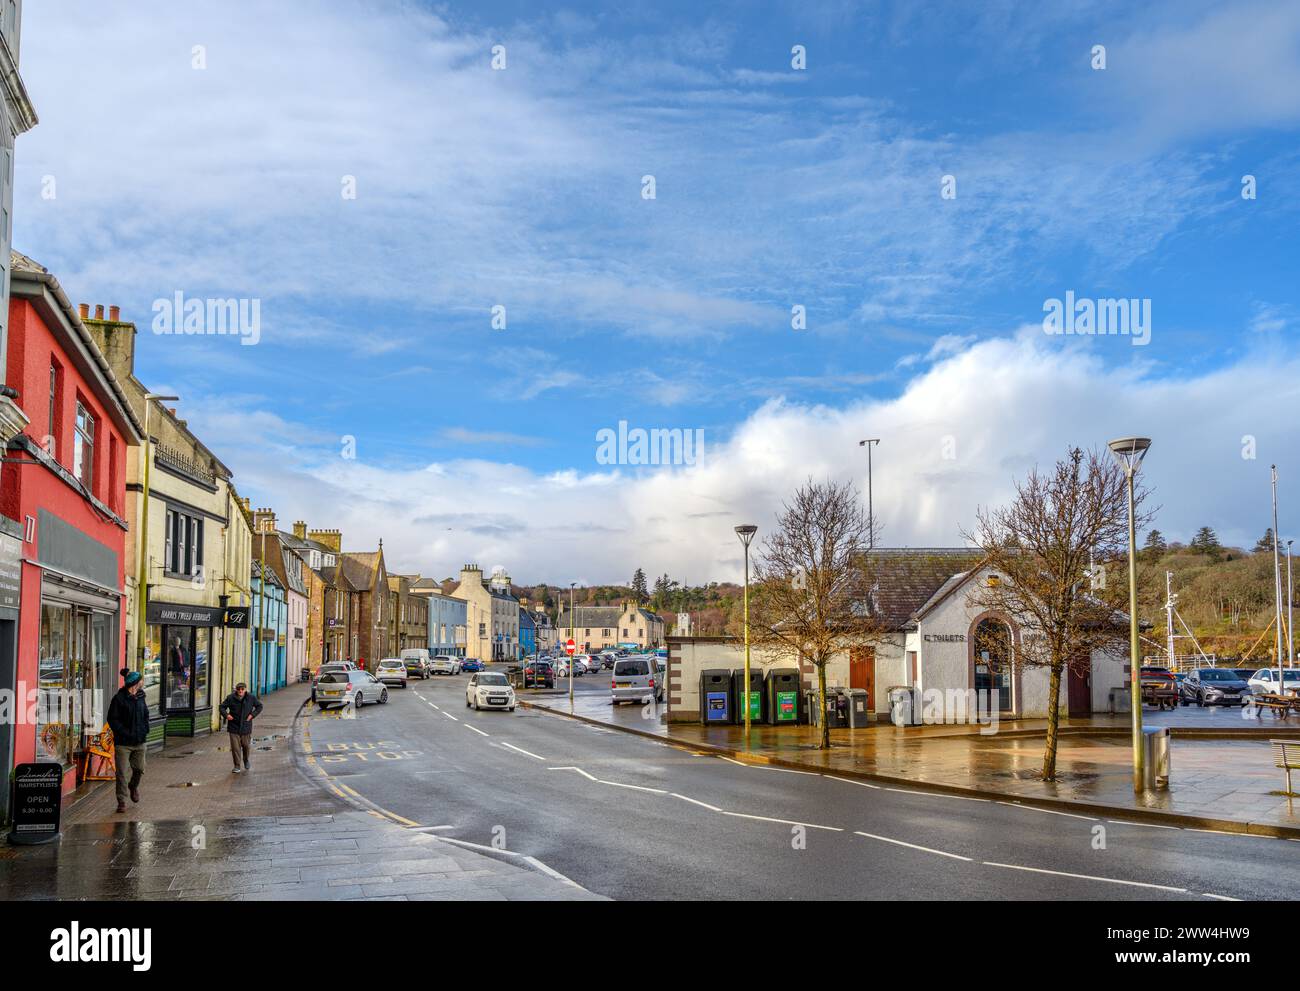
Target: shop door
862,671
1079,688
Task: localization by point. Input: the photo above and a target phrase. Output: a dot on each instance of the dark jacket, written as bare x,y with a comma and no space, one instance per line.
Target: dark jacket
242,709
128,718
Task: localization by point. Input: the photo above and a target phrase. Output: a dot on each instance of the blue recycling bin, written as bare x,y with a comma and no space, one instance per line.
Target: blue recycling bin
715,697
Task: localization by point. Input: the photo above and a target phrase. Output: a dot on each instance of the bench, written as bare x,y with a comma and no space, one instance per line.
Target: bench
1281,705
1286,755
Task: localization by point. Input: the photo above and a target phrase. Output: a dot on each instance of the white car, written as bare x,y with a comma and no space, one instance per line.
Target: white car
391,671
445,664
351,687
1265,680
489,690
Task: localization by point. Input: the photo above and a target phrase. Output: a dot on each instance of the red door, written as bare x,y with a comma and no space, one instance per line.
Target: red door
862,671
1079,687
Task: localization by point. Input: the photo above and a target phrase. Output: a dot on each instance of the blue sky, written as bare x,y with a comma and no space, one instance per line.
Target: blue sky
775,187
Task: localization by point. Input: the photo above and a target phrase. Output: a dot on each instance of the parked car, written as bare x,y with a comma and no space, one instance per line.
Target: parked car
471,664
489,690
351,687
1159,687
391,671
634,680
1214,686
417,662
1266,680
444,664
539,674
326,668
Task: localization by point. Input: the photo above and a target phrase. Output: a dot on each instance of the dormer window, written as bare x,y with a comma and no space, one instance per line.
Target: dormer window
315,560
329,560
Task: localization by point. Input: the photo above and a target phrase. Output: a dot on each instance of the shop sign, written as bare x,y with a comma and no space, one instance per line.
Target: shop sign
944,638
179,614
235,617
11,554
38,802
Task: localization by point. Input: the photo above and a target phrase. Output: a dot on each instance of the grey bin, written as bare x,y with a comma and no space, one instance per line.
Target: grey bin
1155,757
715,697
860,713
903,707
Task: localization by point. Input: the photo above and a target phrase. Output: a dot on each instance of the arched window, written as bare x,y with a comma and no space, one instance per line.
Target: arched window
993,661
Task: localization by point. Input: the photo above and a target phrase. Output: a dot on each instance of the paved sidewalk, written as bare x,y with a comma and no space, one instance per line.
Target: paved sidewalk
1222,778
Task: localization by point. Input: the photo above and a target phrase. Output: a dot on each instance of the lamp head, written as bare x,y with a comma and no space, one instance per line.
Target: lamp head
746,532
1129,451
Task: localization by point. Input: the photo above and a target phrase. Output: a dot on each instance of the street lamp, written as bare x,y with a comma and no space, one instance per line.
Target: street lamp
575,647
142,576
871,518
1290,630
746,533
1129,452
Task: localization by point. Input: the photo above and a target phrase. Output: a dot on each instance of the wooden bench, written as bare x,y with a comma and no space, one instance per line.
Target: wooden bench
1286,755
1281,705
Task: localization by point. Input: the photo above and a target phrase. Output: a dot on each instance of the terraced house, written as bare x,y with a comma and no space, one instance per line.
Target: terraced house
366,573
333,612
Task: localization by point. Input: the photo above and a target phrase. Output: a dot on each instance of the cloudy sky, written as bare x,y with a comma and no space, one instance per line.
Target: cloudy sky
183,149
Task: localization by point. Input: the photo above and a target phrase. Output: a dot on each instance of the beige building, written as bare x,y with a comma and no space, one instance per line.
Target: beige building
491,615
598,627
408,616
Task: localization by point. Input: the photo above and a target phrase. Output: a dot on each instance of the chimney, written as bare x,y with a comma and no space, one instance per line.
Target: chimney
264,521
99,311
300,529
332,539
83,310
115,313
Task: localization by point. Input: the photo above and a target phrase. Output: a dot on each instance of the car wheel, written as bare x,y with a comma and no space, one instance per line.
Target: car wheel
1200,701
512,708
466,701
358,701
383,696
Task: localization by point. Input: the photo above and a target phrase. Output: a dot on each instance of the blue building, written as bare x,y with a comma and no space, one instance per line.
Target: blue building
269,619
527,632
447,618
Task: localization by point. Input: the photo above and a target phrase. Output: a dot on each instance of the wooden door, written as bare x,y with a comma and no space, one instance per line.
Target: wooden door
1079,687
862,671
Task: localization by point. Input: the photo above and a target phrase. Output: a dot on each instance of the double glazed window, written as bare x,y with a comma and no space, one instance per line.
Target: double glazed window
83,448
184,544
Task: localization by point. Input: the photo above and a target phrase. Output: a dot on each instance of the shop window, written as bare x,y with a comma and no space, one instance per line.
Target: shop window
83,448
184,546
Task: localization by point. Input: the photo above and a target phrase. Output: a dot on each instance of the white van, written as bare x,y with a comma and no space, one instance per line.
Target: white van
417,662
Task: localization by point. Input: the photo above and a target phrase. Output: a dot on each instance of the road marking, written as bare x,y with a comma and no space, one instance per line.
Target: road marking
711,808
549,871
429,829
1031,808
1221,832
1222,898
741,763
619,784
475,729
1148,825
527,753
787,822
937,794
913,846
1085,877
850,781
589,777
451,717
787,770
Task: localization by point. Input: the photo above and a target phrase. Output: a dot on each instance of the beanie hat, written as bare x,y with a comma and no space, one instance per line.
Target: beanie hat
130,678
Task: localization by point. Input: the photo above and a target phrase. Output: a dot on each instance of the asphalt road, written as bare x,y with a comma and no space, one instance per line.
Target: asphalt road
629,817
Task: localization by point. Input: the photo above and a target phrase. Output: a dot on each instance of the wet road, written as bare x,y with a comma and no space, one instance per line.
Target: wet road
632,818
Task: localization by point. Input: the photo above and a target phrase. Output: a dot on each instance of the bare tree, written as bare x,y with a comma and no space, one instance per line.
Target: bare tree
809,594
1054,548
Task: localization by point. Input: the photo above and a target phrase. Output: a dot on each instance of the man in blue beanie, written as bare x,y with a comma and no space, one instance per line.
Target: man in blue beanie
128,718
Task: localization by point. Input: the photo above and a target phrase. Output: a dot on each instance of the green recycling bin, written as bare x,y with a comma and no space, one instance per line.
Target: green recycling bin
715,697
782,690
757,697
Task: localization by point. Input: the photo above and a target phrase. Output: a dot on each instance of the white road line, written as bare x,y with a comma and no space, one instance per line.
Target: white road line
521,750
428,829
451,717
589,777
475,729
619,784
1221,832
1084,877
937,794
787,822
913,846
739,763
850,781
1148,825
1031,808
787,770
1222,898
706,805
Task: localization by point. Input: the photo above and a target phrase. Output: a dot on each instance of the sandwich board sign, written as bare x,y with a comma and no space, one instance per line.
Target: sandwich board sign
37,803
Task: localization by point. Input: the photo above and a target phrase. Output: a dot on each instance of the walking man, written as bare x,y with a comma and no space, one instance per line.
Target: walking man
239,710
128,718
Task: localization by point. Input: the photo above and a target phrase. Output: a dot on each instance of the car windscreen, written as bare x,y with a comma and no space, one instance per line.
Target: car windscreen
334,678
492,679
1215,675
631,667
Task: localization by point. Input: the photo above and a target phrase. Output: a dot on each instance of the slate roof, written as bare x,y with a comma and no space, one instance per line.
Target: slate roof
596,617
905,579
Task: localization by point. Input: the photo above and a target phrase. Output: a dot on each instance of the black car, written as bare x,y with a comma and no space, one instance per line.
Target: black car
539,674
1215,686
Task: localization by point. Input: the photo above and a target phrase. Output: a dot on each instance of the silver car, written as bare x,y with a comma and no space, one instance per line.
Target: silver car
635,680
351,687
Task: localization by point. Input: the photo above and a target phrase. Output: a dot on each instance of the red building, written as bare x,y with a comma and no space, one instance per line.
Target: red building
64,482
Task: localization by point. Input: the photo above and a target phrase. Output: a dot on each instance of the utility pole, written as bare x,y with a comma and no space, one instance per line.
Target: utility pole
142,577
1277,586
1169,615
1290,597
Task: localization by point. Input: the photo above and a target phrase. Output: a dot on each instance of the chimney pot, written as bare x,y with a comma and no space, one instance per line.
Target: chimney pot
84,310
99,311
114,313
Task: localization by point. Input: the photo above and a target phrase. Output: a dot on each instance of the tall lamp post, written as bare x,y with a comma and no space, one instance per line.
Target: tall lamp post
1290,630
869,443
575,649
142,576
1129,452
746,533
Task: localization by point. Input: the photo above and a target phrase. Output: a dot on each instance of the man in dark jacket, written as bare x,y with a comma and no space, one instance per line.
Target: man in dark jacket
239,710
128,718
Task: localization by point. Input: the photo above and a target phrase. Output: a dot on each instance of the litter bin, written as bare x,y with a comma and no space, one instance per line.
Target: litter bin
1155,757
812,712
903,710
782,690
859,707
757,710
715,696
837,708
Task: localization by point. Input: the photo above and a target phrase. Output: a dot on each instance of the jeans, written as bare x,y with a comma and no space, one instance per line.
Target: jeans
240,743
133,754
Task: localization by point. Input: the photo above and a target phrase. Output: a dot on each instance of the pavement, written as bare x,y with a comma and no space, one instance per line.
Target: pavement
1222,767
203,833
